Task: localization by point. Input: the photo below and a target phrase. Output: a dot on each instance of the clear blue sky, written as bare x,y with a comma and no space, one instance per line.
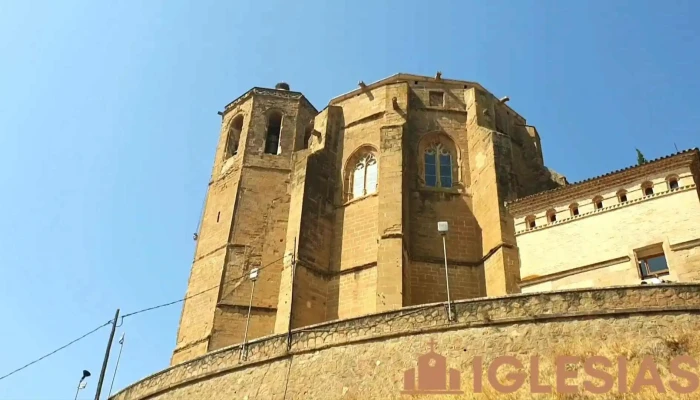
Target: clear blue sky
108,128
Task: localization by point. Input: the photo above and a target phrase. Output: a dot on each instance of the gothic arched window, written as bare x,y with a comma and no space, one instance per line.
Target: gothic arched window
598,202
530,222
364,176
622,196
272,140
438,164
672,182
234,136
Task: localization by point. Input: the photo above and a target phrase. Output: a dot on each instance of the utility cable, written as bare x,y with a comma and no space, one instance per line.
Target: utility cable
56,351
131,314
198,293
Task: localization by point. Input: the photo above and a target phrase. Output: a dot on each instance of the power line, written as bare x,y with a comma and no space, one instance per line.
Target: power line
131,314
198,293
189,297
57,350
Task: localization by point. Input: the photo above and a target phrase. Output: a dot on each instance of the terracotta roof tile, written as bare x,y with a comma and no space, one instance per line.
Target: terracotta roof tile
567,188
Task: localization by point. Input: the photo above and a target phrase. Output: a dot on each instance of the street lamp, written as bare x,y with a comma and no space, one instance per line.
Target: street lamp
81,383
443,227
254,273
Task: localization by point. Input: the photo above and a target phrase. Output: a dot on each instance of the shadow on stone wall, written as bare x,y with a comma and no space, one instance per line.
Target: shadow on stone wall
365,358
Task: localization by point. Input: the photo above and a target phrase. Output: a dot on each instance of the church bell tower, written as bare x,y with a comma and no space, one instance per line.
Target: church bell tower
244,222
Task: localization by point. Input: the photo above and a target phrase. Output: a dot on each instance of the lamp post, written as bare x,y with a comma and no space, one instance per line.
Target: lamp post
81,383
254,273
443,228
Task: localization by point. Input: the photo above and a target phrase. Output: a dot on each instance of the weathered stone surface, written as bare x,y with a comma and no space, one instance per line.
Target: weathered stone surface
244,225
364,358
355,254
355,273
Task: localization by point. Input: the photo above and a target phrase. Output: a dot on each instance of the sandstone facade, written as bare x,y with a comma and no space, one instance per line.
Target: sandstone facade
366,358
350,196
338,209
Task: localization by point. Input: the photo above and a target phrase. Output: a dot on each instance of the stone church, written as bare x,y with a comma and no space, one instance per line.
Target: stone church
338,209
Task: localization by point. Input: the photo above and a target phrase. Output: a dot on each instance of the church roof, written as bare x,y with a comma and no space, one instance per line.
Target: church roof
591,186
403,77
400,77
283,93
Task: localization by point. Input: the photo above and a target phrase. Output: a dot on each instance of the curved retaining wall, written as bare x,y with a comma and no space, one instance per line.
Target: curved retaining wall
365,358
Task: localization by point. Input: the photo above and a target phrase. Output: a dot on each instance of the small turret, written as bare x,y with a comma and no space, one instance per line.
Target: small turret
282,86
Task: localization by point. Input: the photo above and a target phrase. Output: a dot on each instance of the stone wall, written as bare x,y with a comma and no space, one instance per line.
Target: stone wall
428,282
244,226
328,256
490,163
352,293
365,358
197,319
617,232
356,233
447,123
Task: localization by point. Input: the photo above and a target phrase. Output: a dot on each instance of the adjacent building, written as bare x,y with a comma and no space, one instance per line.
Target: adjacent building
621,228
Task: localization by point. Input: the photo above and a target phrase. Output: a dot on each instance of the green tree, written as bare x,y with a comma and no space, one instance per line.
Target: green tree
640,158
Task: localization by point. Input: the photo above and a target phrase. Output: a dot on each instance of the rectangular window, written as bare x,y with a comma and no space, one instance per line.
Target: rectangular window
445,170
651,261
653,265
437,99
430,170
